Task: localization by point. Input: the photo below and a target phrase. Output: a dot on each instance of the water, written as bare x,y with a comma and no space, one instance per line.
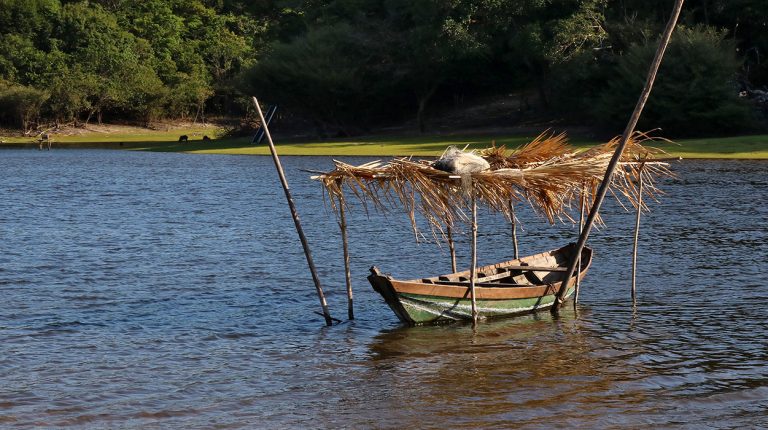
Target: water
144,290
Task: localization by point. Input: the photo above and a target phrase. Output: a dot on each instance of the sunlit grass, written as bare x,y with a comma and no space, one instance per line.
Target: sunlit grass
744,147
741,147
376,146
125,135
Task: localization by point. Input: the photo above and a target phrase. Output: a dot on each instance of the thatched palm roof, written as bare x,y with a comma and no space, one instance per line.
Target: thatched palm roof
547,173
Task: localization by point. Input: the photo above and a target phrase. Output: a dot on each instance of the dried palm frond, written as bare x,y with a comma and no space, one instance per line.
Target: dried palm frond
546,146
547,173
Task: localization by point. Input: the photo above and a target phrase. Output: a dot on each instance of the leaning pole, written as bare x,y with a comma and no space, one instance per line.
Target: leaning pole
603,189
295,215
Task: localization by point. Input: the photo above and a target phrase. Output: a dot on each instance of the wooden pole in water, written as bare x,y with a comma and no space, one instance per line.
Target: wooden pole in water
514,228
637,230
451,248
473,265
582,203
345,246
295,215
603,189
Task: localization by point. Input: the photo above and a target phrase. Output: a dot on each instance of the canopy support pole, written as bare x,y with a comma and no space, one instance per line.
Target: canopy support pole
295,215
637,230
451,248
603,189
582,203
514,228
473,266
345,246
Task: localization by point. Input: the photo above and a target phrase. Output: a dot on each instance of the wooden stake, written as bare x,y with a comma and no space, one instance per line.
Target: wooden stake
295,215
473,265
582,203
637,230
451,248
514,228
347,271
603,189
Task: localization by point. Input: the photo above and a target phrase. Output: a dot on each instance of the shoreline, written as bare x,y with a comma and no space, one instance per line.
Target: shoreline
748,147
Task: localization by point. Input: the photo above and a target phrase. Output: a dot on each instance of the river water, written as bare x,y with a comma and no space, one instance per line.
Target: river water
150,290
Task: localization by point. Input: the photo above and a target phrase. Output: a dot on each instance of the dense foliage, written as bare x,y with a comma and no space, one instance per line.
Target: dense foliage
351,65
80,60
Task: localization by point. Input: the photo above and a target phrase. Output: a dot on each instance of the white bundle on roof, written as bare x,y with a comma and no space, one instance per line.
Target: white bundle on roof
459,162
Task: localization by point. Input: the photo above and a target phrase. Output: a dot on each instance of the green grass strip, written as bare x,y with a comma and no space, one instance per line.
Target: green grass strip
740,147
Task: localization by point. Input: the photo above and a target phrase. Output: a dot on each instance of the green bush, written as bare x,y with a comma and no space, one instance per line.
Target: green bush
320,74
20,105
695,91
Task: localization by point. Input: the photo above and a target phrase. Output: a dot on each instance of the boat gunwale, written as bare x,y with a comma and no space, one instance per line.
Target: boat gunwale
502,292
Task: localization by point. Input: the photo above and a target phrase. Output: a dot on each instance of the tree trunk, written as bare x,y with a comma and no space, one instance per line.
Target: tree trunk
197,113
90,114
423,100
539,76
542,90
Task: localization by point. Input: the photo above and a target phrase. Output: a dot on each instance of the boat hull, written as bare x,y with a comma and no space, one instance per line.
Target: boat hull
427,309
431,300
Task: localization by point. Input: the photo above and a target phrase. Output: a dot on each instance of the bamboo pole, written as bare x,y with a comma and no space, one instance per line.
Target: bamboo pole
637,230
603,189
451,248
582,203
514,228
347,271
295,215
473,264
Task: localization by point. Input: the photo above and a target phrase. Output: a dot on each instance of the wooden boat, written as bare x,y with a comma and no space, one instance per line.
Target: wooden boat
509,288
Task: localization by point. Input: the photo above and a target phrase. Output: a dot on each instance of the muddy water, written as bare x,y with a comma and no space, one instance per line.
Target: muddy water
167,290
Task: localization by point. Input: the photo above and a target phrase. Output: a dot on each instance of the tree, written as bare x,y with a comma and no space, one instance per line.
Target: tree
358,57
543,36
34,20
323,74
112,69
695,91
430,43
20,105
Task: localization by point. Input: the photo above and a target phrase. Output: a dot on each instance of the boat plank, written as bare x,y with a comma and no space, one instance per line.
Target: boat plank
486,284
538,268
497,276
503,272
461,291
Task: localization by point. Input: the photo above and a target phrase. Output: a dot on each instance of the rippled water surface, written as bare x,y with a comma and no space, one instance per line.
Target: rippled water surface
144,290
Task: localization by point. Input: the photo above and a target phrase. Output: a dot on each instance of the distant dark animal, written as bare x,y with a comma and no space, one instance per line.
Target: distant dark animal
44,142
206,138
183,138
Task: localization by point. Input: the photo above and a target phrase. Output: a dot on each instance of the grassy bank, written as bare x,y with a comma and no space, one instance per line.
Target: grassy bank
115,136
742,147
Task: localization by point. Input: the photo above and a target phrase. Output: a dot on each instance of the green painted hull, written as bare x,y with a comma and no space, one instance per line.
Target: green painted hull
430,309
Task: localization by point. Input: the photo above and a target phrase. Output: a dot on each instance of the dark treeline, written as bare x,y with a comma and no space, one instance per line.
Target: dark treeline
352,65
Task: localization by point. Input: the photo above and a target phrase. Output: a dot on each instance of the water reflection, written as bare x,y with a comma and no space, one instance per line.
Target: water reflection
587,370
512,372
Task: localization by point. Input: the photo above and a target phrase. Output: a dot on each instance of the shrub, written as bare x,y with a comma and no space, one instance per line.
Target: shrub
20,105
695,91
